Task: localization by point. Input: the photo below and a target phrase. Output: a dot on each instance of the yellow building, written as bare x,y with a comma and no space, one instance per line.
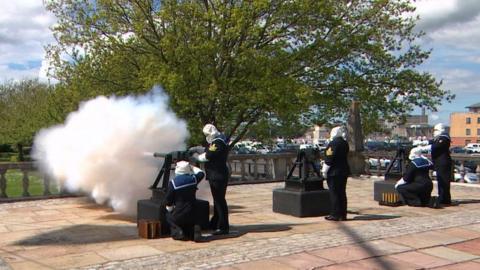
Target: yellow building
465,126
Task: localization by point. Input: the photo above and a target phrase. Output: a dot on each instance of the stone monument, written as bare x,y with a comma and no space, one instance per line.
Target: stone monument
356,160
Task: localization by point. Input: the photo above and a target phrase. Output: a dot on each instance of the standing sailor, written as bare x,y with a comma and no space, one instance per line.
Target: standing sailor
215,158
442,163
336,170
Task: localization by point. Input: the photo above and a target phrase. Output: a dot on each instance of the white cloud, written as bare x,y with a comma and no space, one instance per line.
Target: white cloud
452,22
474,59
24,31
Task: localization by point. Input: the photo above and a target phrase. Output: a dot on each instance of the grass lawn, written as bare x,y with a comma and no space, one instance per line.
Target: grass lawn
35,188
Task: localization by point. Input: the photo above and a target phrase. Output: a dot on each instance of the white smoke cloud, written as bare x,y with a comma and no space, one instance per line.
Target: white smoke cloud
100,149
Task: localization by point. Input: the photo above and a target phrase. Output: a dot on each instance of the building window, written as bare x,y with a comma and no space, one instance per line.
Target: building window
469,120
478,120
478,131
467,132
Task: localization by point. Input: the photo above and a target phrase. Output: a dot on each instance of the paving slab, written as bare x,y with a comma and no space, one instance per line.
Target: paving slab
462,232
129,252
420,259
29,265
302,260
264,264
472,246
75,233
426,239
73,260
450,254
383,262
461,266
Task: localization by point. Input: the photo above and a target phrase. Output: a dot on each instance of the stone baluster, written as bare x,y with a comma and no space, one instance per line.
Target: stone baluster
477,170
3,184
25,183
242,170
367,167
46,185
379,173
255,168
268,166
462,171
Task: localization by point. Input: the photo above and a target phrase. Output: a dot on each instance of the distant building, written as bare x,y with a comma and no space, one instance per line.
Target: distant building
465,126
413,127
314,135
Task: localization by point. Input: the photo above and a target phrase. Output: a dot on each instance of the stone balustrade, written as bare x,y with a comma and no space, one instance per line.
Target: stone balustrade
246,168
26,169
260,168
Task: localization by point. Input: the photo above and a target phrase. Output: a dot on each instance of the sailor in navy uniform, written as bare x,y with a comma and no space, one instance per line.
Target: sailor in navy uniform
336,170
180,202
415,187
442,163
215,158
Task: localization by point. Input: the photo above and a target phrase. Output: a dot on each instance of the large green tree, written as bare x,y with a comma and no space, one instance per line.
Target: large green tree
26,106
239,64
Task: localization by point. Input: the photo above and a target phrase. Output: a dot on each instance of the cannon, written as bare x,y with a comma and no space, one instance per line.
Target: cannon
303,196
153,209
384,190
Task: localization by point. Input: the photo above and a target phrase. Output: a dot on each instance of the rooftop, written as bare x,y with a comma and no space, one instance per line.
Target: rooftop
476,105
76,233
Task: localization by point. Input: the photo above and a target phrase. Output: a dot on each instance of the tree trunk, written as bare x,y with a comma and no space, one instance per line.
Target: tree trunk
20,152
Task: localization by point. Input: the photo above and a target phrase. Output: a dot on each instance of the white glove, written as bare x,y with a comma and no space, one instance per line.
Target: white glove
325,168
169,208
202,158
196,169
400,182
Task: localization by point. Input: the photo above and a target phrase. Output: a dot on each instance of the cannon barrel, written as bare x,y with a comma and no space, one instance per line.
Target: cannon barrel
157,154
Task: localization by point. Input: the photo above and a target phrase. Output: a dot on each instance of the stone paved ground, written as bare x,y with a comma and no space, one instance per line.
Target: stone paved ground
75,233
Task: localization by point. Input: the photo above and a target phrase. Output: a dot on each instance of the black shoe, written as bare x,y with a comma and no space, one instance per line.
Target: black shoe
334,218
177,234
220,232
435,204
197,233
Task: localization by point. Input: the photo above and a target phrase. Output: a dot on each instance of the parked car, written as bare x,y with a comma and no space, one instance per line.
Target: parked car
241,149
469,177
383,162
376,146
473,148
458,150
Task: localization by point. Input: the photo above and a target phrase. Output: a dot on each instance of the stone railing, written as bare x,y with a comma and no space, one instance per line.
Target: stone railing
260,168
249,168
26,169
244,168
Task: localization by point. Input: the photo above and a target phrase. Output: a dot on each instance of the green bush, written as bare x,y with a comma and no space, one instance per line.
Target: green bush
7,156
5,148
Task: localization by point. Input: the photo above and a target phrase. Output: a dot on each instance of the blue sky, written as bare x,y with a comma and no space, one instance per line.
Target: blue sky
452,27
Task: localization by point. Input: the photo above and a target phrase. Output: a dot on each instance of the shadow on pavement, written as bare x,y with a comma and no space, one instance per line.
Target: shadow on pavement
239,230
375,217
372,252
466,201
232,209
82,234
